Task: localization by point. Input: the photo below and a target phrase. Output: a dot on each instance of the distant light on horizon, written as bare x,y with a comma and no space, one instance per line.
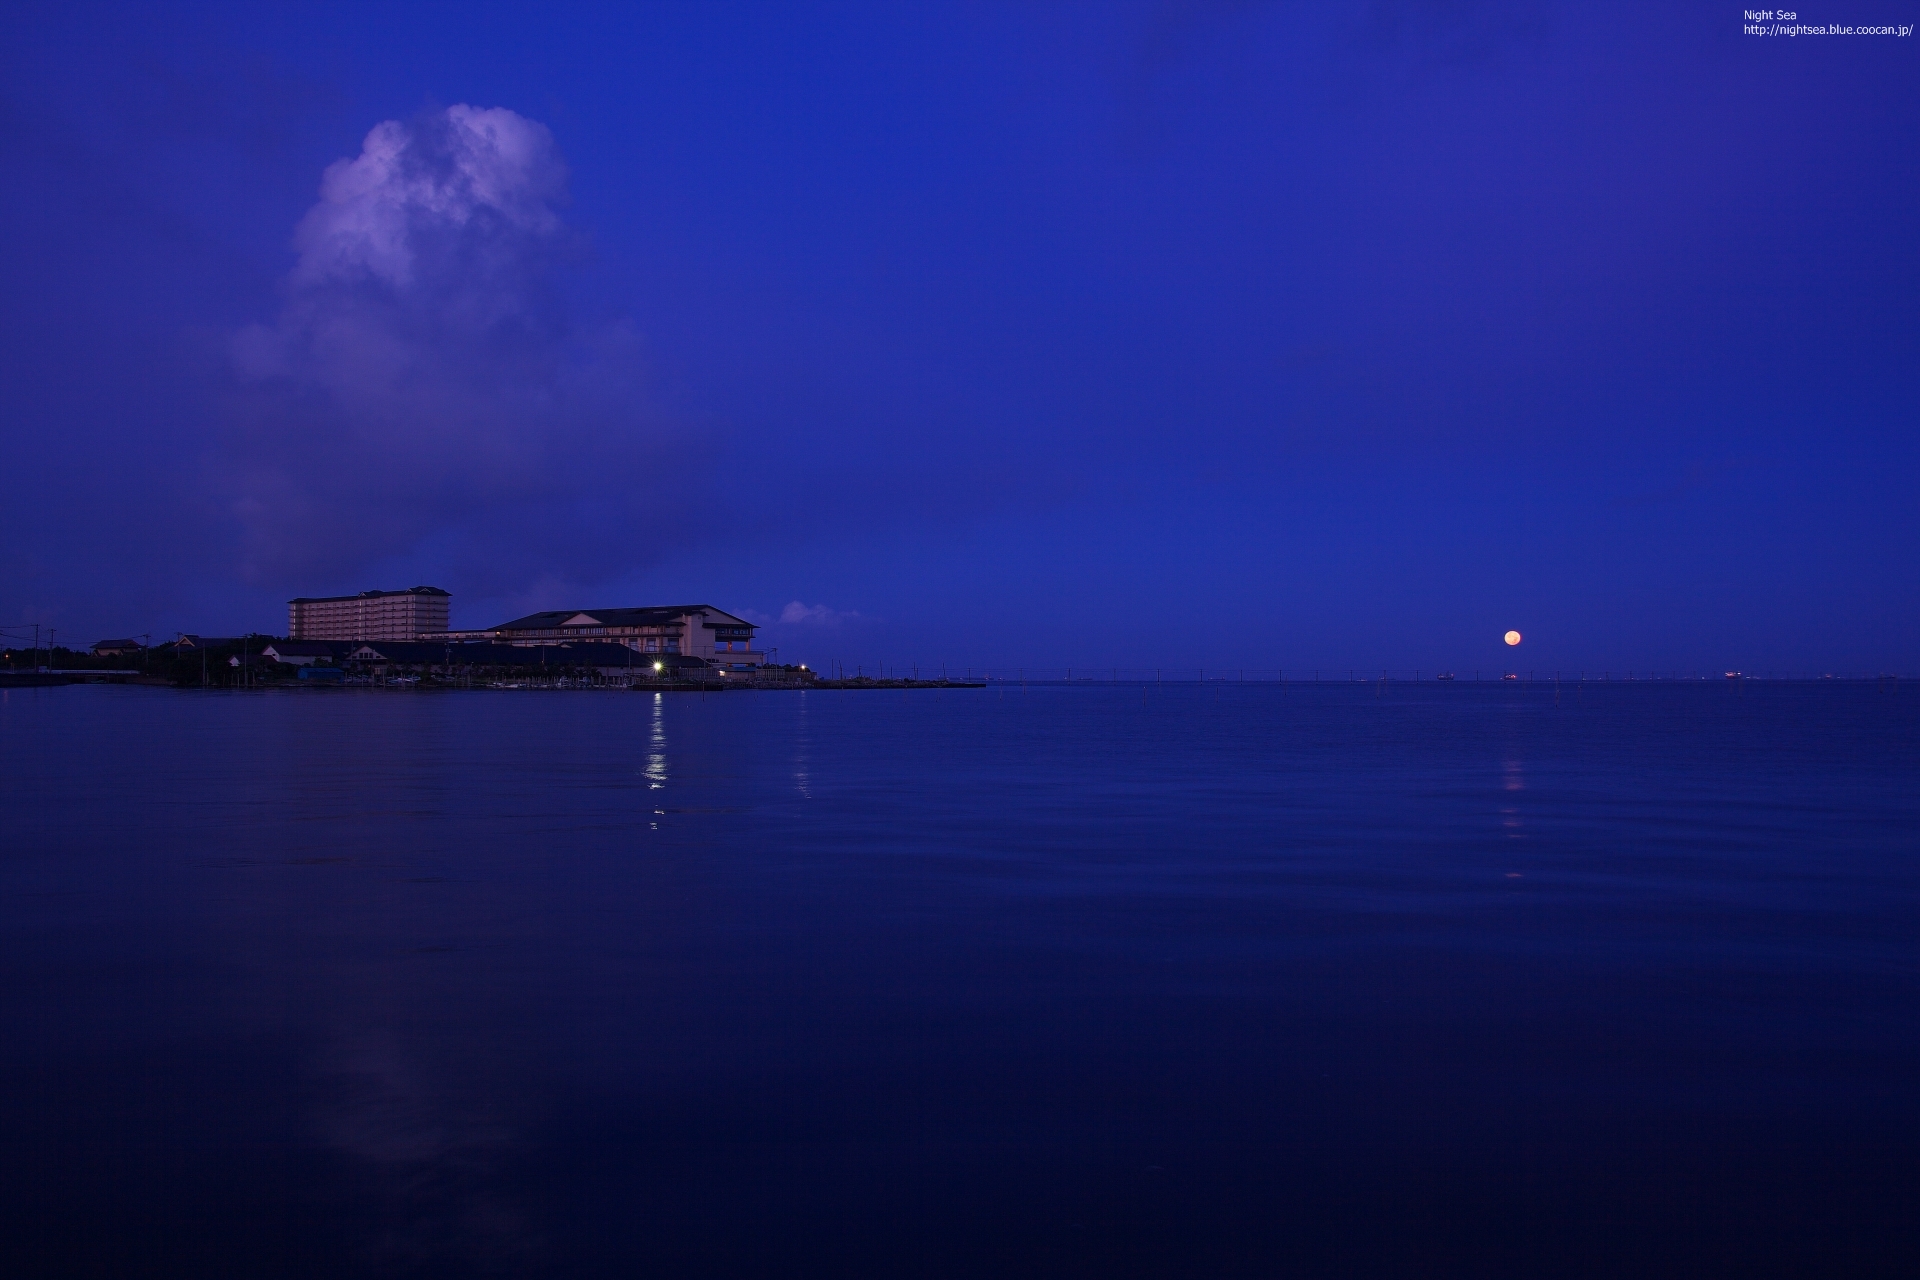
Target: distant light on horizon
1513,637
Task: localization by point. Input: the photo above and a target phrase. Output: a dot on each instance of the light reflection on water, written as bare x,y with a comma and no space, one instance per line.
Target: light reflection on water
656,770
1513,779
801,778
1083,981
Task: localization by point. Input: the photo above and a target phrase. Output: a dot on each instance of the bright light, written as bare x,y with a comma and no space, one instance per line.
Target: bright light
1513,637
659,666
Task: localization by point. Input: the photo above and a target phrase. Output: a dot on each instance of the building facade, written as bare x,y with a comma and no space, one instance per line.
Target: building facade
371,615
690,630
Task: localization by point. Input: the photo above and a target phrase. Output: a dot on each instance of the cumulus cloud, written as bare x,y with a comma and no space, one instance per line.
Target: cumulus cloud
818,615
440,176
425,397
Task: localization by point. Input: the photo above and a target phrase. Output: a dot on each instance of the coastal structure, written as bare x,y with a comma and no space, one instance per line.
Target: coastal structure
189,643
301,653
370,615
688,630
601,657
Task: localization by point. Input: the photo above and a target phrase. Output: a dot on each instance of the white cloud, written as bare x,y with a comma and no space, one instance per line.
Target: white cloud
818,615
433,177
424,395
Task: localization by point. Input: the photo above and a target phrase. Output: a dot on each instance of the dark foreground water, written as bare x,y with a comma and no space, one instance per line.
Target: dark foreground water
1423,981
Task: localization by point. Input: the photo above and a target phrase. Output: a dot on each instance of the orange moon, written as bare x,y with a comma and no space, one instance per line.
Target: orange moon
1513,637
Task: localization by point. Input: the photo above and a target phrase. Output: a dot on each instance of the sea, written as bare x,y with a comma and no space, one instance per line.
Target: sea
1596,978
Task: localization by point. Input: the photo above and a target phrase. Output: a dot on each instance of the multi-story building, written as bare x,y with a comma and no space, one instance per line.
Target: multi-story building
693,630
371,615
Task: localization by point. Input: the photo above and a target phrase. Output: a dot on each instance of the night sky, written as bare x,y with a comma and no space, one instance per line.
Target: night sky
1215,334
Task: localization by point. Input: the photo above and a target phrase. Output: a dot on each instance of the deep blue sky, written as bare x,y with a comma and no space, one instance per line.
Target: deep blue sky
1244,335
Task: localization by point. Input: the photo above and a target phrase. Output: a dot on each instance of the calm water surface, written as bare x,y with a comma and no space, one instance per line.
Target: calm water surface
1182,981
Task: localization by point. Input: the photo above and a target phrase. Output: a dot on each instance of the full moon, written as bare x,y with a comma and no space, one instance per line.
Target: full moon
1513,637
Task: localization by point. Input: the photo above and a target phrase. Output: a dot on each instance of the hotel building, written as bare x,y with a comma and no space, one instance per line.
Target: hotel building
692,630
371,615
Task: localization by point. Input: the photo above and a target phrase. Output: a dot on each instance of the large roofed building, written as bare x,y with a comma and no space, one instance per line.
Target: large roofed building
693,630
371,615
